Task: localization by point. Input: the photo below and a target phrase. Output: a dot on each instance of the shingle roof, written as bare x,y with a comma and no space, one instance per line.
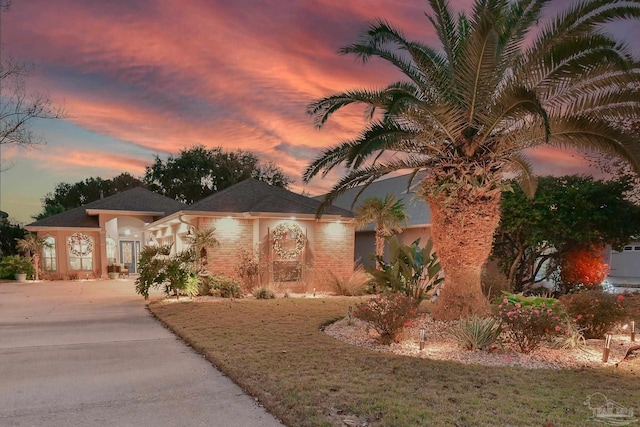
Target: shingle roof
256,196
416,208
135,200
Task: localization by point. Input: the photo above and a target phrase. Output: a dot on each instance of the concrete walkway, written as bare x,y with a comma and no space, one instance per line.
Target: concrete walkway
90,354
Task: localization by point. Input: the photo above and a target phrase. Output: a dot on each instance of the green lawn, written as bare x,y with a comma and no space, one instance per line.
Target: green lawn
275,350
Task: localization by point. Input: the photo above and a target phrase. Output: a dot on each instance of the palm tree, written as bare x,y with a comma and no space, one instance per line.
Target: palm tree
200,241
502,81
387,214
32,246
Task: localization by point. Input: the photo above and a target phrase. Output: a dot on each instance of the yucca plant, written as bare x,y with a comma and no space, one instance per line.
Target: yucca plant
503,80
476,333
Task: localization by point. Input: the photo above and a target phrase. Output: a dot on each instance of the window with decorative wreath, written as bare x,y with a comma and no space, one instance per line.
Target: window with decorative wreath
80,251
288,241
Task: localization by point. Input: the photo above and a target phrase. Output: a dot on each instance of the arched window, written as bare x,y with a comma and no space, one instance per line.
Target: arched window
80,251
49,254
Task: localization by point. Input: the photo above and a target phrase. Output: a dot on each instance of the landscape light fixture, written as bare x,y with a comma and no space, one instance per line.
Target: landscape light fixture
422,337
633,331
607,348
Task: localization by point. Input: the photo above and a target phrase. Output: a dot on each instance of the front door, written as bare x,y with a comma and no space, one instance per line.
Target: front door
129,254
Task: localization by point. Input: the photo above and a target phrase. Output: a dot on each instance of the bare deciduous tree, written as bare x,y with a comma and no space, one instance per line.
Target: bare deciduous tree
18,107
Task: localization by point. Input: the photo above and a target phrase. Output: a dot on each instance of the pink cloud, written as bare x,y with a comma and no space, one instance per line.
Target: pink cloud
161,75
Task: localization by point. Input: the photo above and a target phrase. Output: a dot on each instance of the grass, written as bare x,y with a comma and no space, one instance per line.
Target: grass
275,350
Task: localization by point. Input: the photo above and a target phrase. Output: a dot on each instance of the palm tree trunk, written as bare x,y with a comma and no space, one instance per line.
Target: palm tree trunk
36,264
379,247
462,231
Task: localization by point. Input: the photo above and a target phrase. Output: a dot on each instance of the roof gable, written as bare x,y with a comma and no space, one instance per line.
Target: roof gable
256,196
135,200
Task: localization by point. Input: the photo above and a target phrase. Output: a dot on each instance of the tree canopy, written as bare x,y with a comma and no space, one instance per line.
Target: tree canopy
198,172
568,213
68,196
503,79
9,232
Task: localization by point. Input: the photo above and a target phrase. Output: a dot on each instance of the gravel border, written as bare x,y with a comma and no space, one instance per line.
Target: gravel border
439,345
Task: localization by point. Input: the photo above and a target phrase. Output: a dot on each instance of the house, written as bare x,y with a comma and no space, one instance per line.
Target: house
84,241
624,265
403,189
624,268
300,250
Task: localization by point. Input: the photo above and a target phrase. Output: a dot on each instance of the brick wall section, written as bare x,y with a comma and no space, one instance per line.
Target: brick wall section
334,248
233,235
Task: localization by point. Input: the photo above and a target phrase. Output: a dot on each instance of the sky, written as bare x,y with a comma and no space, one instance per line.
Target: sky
140,78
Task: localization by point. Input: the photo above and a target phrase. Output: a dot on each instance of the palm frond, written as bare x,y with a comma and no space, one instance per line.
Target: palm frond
322,109
367,175
512,105
445,27
475,71
589,133
524,174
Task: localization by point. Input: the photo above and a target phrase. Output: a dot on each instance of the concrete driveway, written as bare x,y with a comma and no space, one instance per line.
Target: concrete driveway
89,354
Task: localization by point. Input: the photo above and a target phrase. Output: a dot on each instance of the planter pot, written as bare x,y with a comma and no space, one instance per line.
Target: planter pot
21,277
113,276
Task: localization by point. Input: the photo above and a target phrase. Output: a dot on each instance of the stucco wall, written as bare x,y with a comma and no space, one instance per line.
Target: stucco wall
365,245
334,248
62,253
233,235
329,247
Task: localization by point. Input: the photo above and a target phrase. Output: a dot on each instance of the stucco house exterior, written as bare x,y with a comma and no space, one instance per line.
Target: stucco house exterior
301,251
84,241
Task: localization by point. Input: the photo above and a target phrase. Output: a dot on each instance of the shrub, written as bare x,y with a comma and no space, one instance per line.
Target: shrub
529,321
191,286
225,286
595,312
157,267
388,314
412,270
476,333
583,266
251,268
264,292
53,276
354,284
15,264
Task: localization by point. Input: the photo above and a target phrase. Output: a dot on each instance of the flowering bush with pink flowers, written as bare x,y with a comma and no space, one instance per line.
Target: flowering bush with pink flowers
388,314
595,312
529,321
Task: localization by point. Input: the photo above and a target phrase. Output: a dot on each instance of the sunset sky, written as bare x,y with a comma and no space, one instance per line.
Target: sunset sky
146,77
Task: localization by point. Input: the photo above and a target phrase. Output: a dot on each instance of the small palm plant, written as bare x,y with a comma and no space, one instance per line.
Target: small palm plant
388,216
32,246
200,241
